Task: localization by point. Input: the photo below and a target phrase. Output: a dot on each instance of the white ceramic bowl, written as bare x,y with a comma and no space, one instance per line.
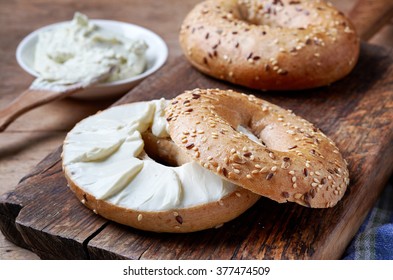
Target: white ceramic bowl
156,54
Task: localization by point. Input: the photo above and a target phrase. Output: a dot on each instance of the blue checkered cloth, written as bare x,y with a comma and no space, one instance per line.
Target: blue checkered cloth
374,240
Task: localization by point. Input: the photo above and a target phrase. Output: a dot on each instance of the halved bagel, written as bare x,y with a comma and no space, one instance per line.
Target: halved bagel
259,146
108,163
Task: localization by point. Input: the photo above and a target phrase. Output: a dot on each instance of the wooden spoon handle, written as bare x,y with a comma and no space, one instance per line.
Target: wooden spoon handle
369,16
28,100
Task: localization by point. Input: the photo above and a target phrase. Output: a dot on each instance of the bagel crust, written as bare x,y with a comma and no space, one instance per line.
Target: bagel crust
196,218
270,45
284,158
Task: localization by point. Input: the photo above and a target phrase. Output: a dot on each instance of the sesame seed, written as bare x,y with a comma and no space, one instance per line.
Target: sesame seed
179,219
263,169
285,165
238,194
269,176
298,195
95,211
282,72
293,179
314,184
175,214
140,217
317,173
274,168
316,180
285,194
237,171
291,172
294,185
271,155
248,176
83,201
248,154
190,146
257,166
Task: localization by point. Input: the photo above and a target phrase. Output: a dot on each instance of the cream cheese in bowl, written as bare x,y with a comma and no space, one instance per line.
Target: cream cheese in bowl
81,49
63,53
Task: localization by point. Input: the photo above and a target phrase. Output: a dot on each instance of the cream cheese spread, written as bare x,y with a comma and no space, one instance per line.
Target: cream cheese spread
80,51
100,155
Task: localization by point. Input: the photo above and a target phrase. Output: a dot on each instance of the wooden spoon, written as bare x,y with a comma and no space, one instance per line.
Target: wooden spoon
40,93
369,16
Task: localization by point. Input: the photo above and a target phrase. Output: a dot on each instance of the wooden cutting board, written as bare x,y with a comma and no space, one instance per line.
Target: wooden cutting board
43,215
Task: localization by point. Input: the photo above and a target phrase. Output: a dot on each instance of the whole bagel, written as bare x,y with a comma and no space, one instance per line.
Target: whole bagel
259,146
122,164
270,45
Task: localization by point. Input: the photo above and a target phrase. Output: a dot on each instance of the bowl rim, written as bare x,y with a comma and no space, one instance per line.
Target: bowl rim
160,60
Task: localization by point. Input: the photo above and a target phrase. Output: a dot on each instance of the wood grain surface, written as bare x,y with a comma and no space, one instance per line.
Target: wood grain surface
355,112
39,132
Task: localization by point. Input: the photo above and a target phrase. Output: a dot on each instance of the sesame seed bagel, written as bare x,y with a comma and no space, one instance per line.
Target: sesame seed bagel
272,45
122,164
259,146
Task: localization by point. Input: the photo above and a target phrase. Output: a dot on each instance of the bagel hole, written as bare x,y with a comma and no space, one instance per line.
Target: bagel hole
272,136
248,132
273,15
277,138
162,150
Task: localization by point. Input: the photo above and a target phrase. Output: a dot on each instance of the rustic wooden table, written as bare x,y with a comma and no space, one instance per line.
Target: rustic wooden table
34,135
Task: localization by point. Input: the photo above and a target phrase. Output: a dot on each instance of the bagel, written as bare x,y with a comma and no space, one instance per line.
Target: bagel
270,45
258,146
122,164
